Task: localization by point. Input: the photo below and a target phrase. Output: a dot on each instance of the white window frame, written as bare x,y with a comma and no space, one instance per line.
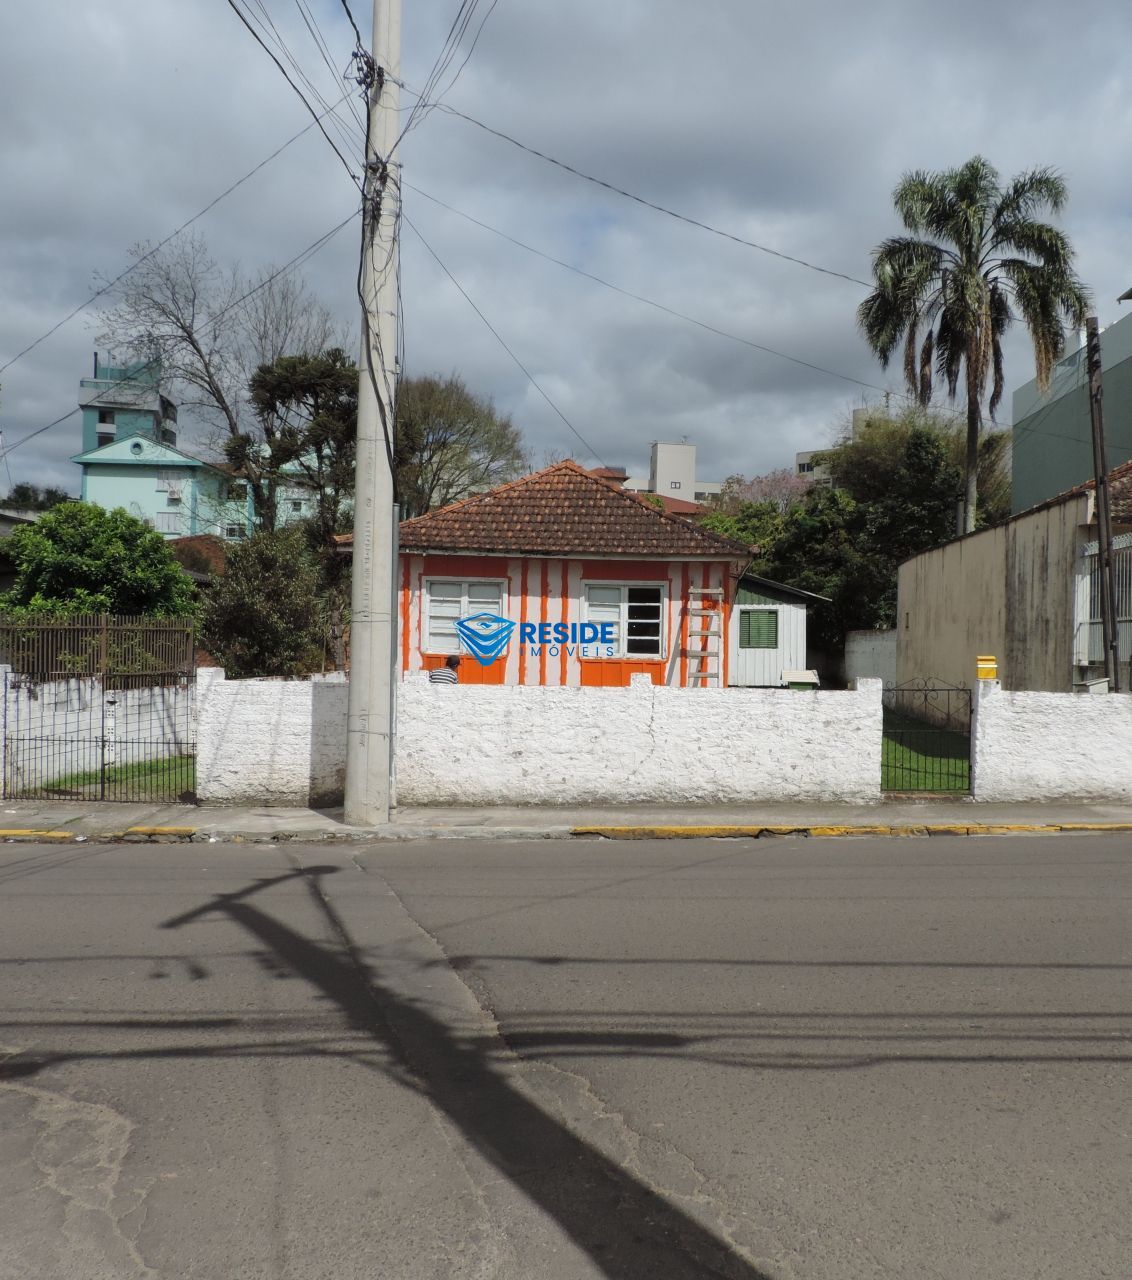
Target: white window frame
170,522
465,607
624,587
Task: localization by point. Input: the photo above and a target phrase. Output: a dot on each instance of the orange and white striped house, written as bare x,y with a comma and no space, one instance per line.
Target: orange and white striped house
596,584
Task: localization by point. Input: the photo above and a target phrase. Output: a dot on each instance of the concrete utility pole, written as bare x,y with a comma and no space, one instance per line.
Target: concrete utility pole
1104,517
370,716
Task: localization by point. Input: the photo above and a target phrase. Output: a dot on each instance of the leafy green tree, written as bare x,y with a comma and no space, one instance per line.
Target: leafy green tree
823,549
894,493
30,497
450,443
872,464
78,558
263,617
977,255
757,524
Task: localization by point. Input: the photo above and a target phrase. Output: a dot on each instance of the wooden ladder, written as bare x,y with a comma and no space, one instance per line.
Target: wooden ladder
705,668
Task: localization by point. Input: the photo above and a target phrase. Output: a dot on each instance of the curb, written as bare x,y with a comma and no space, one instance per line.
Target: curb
200,835
826,832
208,835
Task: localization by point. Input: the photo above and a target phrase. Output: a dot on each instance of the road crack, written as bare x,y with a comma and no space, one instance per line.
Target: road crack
78,1155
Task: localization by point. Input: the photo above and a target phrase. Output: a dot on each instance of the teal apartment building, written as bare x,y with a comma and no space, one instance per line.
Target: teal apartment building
130,459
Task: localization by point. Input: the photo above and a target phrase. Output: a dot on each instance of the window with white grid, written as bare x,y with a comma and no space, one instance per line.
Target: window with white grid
447,602
637,615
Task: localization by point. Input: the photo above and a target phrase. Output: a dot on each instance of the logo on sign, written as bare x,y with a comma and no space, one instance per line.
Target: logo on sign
485,636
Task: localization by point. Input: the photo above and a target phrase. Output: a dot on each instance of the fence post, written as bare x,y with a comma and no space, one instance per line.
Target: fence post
983,688
5,672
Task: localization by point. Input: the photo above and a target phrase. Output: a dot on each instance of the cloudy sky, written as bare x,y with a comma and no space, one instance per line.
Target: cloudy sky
785,124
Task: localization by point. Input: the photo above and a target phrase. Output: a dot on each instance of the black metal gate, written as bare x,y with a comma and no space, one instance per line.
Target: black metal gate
98,708
927,738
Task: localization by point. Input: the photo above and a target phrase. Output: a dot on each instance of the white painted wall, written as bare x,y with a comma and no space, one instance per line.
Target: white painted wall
870,655
763,668
1050,746
271,742
59,728
484,745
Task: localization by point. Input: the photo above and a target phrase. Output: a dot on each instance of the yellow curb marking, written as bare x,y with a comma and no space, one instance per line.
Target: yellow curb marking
1095,826
665,833
23,833
918,829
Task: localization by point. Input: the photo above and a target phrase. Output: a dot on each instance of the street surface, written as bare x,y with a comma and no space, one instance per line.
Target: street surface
564,1059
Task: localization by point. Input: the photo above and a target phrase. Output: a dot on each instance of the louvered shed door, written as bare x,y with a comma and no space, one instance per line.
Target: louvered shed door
758,653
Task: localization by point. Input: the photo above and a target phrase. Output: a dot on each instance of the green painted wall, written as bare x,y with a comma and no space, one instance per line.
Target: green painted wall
1052,443
746,595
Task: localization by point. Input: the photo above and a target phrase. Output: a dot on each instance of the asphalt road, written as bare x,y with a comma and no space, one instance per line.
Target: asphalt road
749,1059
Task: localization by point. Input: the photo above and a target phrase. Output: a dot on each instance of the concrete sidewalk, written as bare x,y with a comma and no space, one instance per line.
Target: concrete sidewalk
899,816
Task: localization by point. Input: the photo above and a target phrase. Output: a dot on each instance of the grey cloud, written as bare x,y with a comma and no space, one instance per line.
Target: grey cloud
788,125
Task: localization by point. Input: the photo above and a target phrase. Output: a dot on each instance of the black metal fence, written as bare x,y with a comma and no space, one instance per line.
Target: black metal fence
927,738
98,708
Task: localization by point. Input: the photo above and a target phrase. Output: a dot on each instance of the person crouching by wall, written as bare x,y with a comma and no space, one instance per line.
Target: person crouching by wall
447,674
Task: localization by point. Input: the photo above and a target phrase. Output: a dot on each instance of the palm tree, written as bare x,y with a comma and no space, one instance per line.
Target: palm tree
976,254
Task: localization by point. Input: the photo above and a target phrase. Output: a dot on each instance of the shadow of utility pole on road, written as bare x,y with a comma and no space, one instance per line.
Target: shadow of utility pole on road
629,1230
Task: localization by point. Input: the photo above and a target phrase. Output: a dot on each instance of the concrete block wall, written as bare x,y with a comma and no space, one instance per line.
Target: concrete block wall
508,745
870,655
271,742
1050,746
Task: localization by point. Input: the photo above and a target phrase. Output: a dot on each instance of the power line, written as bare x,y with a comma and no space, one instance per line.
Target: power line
297,261
499,339
323,47
471,47
456,32
659,306
272,32
357,33
641,200
161,244
302,97
939,410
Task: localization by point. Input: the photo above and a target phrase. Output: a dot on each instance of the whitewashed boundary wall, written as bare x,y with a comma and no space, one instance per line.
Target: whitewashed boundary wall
60,725
509,744
870,655
1050,746
271,742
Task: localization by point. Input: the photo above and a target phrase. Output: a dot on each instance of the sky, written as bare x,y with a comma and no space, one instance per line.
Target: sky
783,125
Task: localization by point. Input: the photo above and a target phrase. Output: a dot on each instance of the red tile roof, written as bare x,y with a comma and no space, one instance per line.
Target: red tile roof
563,510
200,551
1120,493
674,506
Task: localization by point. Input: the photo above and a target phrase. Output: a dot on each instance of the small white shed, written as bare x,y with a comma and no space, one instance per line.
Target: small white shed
767,632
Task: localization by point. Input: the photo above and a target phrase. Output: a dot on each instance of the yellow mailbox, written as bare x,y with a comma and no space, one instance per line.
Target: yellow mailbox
986,667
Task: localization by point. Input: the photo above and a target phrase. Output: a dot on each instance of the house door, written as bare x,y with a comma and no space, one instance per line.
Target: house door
756,657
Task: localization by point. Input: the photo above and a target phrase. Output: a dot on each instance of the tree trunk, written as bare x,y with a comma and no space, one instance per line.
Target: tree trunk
971,475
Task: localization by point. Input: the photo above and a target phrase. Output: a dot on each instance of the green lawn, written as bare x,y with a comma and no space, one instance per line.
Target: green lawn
168,778
919,757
